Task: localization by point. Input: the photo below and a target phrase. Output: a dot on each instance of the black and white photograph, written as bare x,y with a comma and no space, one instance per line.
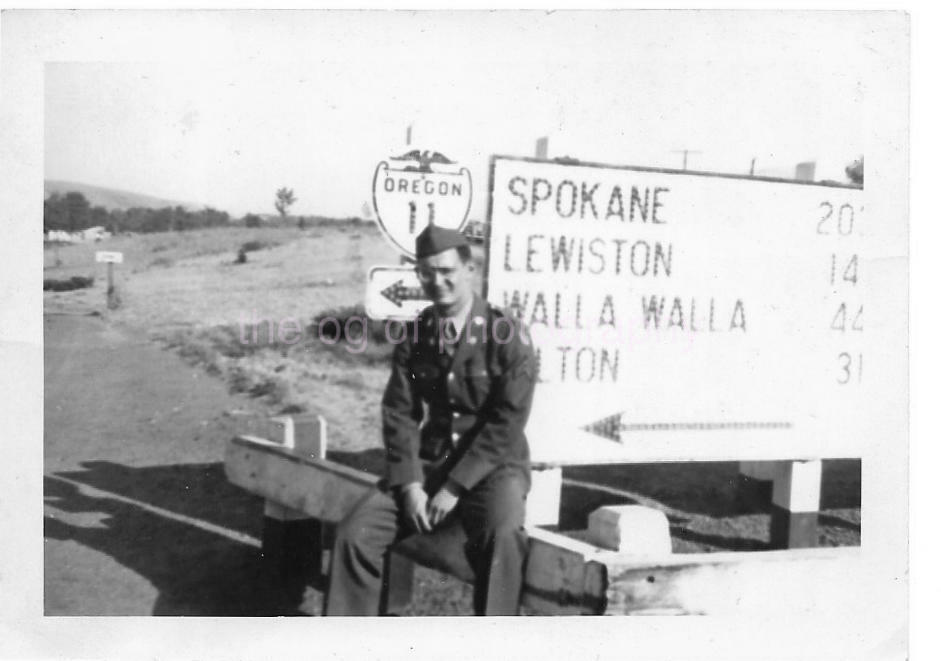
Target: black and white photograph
450,314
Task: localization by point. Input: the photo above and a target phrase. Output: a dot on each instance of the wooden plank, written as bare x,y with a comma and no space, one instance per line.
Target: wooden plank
566,575
651,456
318,487
766,582
562,577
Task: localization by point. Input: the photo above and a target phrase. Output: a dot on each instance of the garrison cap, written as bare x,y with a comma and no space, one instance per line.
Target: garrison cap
434,239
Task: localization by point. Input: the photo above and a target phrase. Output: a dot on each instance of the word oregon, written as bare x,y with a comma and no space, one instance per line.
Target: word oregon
582,200
422,186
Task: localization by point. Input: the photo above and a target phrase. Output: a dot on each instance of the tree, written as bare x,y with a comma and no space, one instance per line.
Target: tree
855,171
54,216
284,198
99,216
252,220
78,211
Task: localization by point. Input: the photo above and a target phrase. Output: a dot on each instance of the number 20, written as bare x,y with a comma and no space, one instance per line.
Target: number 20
846,216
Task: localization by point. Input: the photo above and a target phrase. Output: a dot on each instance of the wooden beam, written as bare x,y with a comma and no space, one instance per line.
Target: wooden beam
765,582
562,577
566,575
321,488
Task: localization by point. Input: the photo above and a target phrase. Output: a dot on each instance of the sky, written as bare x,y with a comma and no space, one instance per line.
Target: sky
627,88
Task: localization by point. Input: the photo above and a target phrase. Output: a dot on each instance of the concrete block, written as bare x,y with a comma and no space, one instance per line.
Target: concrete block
281,430
630,529
305,433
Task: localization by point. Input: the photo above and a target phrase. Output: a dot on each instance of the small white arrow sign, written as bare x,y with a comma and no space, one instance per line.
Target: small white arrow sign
112,257
393,292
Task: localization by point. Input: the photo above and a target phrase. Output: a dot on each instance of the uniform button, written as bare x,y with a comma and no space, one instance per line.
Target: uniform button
450,376
455,436
454,414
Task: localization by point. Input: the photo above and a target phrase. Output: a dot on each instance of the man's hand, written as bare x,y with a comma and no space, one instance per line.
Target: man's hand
442,503
414,506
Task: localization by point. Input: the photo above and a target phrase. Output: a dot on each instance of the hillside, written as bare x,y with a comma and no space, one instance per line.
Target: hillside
111,198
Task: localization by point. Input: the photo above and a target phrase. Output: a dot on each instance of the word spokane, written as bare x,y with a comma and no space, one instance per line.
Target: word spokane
587,200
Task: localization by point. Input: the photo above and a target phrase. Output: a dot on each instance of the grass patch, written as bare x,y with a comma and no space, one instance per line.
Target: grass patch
161,262
68,284
251,361
350,335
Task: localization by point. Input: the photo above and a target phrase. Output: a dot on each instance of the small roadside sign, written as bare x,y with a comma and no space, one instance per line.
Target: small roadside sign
393,292
109,257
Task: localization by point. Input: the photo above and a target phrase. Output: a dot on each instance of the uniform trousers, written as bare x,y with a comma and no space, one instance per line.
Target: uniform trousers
492,516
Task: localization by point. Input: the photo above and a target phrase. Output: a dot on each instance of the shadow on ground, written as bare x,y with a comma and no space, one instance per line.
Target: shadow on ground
211,564
196,569
709,488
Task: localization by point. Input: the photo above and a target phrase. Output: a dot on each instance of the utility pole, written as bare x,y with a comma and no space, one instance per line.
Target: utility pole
751,170
542,147
686,153
408,135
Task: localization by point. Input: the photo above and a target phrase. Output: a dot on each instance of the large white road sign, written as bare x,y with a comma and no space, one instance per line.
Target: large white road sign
693,316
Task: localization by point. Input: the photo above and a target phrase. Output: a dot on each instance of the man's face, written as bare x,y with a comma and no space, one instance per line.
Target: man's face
447,280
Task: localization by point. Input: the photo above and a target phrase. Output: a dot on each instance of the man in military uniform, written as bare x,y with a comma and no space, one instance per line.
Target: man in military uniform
467,460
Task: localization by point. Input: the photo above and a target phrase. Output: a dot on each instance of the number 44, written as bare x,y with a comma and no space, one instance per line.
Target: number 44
840,319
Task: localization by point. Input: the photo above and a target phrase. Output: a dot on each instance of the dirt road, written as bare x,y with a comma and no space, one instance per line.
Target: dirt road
139,516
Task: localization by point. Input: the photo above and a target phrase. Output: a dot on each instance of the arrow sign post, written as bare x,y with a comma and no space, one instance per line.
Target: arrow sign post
393,292
110,258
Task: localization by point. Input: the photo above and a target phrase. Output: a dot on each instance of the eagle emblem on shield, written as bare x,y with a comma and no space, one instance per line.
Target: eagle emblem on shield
417,189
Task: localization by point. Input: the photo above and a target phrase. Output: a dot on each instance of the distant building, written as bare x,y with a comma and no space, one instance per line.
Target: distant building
87,235
96,233
60,236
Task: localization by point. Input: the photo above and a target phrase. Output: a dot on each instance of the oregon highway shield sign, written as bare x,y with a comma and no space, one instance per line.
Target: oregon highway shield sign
417,189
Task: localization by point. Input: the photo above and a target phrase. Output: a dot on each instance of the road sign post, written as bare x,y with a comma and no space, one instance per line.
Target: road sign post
110,258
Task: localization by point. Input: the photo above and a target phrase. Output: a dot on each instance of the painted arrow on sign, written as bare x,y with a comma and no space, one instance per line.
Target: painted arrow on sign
398,292
393,292
613,427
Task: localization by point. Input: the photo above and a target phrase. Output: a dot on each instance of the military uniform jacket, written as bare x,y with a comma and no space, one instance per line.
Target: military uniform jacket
477,400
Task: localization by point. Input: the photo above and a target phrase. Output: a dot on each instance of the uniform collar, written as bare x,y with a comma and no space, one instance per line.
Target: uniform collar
460,319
